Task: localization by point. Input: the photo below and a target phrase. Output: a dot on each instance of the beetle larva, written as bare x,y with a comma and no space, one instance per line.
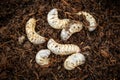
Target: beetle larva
62,49
54,21
33,37
90,19
42,57
72,28
74,60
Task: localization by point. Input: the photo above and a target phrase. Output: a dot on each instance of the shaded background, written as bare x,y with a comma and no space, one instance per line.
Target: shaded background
17,61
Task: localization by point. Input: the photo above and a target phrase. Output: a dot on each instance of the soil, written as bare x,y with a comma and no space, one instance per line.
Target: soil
17,59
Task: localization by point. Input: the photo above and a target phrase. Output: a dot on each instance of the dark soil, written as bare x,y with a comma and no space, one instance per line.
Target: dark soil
17,61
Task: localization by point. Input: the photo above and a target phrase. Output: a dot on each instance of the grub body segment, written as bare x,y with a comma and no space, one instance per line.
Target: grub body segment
62,49
54,21
33,37
42,57
74,60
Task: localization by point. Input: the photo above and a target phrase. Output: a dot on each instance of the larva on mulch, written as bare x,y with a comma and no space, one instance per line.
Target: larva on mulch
42,57
33,37
74,60
72,28
54,21
62,49
90,19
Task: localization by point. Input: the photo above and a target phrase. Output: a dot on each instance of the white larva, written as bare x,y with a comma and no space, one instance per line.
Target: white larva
62,49
42,57
33,37
90,19
54,21
74,60
72,28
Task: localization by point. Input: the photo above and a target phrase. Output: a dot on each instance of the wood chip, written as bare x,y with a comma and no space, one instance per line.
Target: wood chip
104,53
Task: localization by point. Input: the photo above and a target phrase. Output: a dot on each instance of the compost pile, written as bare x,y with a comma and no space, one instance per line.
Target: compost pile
17,59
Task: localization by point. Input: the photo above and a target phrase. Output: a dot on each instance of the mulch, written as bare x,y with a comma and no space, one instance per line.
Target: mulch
17,61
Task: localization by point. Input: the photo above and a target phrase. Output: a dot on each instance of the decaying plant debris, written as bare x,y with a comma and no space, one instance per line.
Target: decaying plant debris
17,61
